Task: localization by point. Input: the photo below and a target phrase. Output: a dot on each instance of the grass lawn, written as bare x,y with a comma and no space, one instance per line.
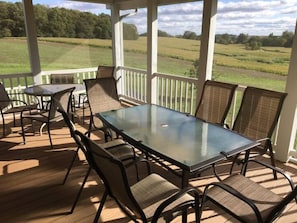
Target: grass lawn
232,63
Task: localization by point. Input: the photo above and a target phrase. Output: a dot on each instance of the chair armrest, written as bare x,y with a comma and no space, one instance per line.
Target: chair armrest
232,192
135,162
168,201
278,170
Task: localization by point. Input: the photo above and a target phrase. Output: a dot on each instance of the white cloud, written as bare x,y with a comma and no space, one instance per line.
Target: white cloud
255,17
233,17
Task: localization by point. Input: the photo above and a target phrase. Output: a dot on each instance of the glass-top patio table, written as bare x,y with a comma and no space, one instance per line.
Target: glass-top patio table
178,138
48,90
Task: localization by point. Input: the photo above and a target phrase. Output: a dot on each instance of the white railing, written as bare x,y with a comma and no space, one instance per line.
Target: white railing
174,92
132,84
177,92
79,74
15,85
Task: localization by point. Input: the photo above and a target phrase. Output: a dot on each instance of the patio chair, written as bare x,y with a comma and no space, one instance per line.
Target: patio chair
62,79
215,101
105,71
247,200
102,96
47,117
148,199
102,72
256,119
8,106
118,147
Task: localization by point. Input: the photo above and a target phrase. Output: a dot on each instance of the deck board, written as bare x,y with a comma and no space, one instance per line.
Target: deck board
31,178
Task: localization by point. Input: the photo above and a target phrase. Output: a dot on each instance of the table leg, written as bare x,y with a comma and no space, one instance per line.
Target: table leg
185,179
246,159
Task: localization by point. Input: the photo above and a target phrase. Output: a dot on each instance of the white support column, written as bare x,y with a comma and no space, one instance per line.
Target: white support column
152,50
288,121
117,43
207,43
32,40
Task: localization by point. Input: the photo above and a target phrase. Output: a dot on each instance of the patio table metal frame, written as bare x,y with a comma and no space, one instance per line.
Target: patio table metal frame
183,140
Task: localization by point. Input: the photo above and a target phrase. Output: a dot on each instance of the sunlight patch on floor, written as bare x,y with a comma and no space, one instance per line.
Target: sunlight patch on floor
16,166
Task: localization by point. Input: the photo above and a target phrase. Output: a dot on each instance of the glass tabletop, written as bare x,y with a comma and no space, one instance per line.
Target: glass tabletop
182,139
50,89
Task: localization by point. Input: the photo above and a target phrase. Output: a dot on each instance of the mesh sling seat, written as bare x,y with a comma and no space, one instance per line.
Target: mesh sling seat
102,96
12,106
256,119
118,147
146,200
215,101
47,117
247,200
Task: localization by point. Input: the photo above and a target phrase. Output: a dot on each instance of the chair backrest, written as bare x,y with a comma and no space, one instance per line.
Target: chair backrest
4,98
112,171
60,99
105,71
258,113
67,120
215,101
62,79
102,94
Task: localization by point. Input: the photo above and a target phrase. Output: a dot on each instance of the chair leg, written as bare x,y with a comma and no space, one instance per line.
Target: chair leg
3,123
23,130
49,135
233,163
70,165
80,190
272,160
96,219
90,125
185,217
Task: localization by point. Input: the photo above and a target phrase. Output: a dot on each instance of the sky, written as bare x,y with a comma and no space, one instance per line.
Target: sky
252,17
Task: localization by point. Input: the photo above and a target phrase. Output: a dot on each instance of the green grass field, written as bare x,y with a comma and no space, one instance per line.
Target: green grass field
175,56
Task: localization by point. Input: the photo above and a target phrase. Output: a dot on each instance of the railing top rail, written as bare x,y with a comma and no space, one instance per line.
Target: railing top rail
176,77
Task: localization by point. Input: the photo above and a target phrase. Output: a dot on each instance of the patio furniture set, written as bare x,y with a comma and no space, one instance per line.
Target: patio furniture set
144,133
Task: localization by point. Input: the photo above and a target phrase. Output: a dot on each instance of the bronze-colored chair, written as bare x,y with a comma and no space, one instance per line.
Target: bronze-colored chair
149,199
215,101
118,147
102,96
105,71
47,117
256,119
102,72
62,79
247,200
12,106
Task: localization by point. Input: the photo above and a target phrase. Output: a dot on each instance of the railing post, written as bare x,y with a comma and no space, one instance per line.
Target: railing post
152,51
32,40
207,44
288,120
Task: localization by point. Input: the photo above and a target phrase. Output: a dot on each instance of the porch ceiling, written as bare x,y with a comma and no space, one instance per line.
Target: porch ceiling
132,4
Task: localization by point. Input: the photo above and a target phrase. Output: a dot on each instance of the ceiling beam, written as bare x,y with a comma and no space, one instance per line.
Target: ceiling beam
132,4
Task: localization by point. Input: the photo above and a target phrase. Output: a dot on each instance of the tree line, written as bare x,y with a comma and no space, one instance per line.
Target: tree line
251,42
59,22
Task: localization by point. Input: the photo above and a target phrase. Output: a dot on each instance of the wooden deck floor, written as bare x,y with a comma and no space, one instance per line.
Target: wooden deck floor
31,187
